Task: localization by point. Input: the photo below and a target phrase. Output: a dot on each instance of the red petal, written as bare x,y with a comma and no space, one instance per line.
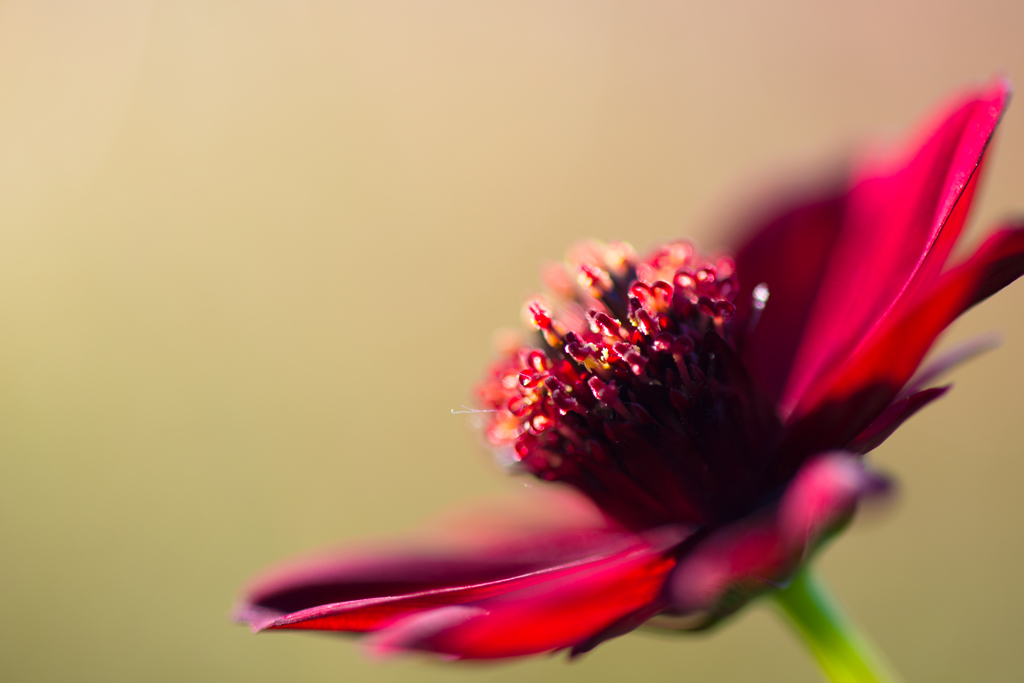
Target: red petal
855,395
374,613
892,417
822,498
543,530
902,220
788,253
557,613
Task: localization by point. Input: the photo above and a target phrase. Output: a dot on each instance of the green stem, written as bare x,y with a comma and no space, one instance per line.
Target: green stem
844,655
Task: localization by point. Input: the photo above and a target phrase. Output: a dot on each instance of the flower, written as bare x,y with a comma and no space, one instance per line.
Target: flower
706,417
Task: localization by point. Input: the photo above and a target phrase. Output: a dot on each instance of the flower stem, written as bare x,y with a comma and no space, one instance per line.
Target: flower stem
844,655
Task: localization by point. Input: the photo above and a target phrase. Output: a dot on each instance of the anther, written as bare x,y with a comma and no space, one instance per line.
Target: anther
529,378
663,342
706,276
604,324
538,361
724,310
662,292
641,319
540,316
519,406
684,279
637,361
609,395
638,290
593,279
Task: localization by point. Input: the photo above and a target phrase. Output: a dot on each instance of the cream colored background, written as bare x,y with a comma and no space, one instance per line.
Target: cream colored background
253,253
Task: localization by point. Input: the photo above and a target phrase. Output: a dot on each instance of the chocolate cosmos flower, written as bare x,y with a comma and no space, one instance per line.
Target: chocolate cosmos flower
707,419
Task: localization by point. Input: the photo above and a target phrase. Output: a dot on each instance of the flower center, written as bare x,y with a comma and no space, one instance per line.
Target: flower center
634,393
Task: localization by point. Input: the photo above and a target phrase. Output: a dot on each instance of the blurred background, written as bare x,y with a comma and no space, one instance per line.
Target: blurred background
252,254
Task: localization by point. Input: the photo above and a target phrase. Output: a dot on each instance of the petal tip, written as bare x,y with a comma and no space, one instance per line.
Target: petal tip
256,618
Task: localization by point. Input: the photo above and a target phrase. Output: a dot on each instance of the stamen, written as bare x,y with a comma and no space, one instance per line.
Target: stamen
759,298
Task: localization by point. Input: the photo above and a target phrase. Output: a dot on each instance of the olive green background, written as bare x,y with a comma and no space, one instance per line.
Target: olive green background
253,253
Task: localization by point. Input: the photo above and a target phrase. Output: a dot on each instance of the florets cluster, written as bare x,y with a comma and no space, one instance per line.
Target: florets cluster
633,392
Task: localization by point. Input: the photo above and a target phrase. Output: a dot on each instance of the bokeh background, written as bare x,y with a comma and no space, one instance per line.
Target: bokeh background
252,254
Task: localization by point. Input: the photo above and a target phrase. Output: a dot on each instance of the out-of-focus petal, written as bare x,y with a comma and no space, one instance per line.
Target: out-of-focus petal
567,609
946,361
998,262
896,414
724,571
851,398
822,498
544,529
901,221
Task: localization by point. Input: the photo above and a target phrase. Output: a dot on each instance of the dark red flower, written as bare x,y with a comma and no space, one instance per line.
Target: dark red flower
713,412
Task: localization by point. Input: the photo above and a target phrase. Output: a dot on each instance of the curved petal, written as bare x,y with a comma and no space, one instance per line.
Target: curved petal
822,499
544,528
371,614
901,222
848,400
898,412
724,571
562,611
